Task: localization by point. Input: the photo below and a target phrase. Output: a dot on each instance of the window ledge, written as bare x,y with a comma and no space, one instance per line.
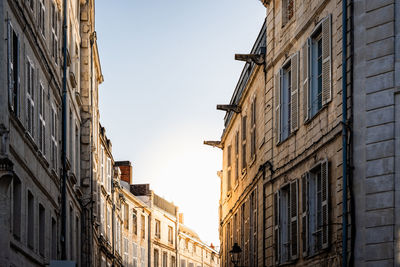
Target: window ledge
316,114
244,172
287,138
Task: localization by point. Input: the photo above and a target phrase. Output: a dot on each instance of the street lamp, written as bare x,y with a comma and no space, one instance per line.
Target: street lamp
235,254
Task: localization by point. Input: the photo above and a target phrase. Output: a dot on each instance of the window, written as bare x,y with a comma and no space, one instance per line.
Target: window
31,220
53,143
30,103
108,174
71,135
143,227
13,68
54,32
102,208
316,67
77,240
229,169
42,122
71,233
156,257
134,254
170,235
173,261
244,161
287,11
53,239
158,230
315,210
108,223
134,222
41,17
142,257
77,151
286,223
237,157
287,99
183,263
165,259
42,221
190,264
16,197
102,164
253,142
126,216
253,228
126,249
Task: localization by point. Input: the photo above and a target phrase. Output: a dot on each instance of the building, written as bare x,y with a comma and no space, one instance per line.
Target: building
375,131
281,181
135,233
32,134
192,251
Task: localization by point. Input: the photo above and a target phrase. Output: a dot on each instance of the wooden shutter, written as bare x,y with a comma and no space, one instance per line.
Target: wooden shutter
304,213
278,78
326,60
294,120
9,72
293,208
276,227
306,78
325,202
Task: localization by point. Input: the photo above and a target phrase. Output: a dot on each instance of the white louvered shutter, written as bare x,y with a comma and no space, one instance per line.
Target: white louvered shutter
325,203
326,61
304,214
306,78
294,240
278,78
294,120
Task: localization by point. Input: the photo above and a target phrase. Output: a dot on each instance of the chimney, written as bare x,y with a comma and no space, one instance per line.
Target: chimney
180,218
140,189
126,170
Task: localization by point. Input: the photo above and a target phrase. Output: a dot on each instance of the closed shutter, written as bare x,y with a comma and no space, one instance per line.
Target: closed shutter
325,202
326,60
293,220
304,213
18,79
278,78
276,227
306,78
294,120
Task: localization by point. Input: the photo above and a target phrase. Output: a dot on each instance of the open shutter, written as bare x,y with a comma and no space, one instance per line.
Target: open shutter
326,60
9,65
278,78
304,213
18,79
325,202
276,227
294,240
294,120
306,78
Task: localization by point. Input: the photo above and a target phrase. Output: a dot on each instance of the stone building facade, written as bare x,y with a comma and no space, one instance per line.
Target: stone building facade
281,181
31,78
376,132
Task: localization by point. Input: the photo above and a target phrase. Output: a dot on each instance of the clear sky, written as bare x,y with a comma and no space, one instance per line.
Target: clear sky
166,65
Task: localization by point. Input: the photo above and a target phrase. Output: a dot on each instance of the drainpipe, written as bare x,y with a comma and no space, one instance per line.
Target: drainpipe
113,219
344,132
64,142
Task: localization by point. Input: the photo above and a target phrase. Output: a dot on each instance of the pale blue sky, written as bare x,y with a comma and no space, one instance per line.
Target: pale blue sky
166,64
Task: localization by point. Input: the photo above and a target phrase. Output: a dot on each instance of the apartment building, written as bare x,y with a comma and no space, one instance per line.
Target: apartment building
281,181
31,123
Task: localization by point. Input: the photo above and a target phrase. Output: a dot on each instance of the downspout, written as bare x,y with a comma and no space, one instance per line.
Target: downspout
176,236
344,132
64,141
